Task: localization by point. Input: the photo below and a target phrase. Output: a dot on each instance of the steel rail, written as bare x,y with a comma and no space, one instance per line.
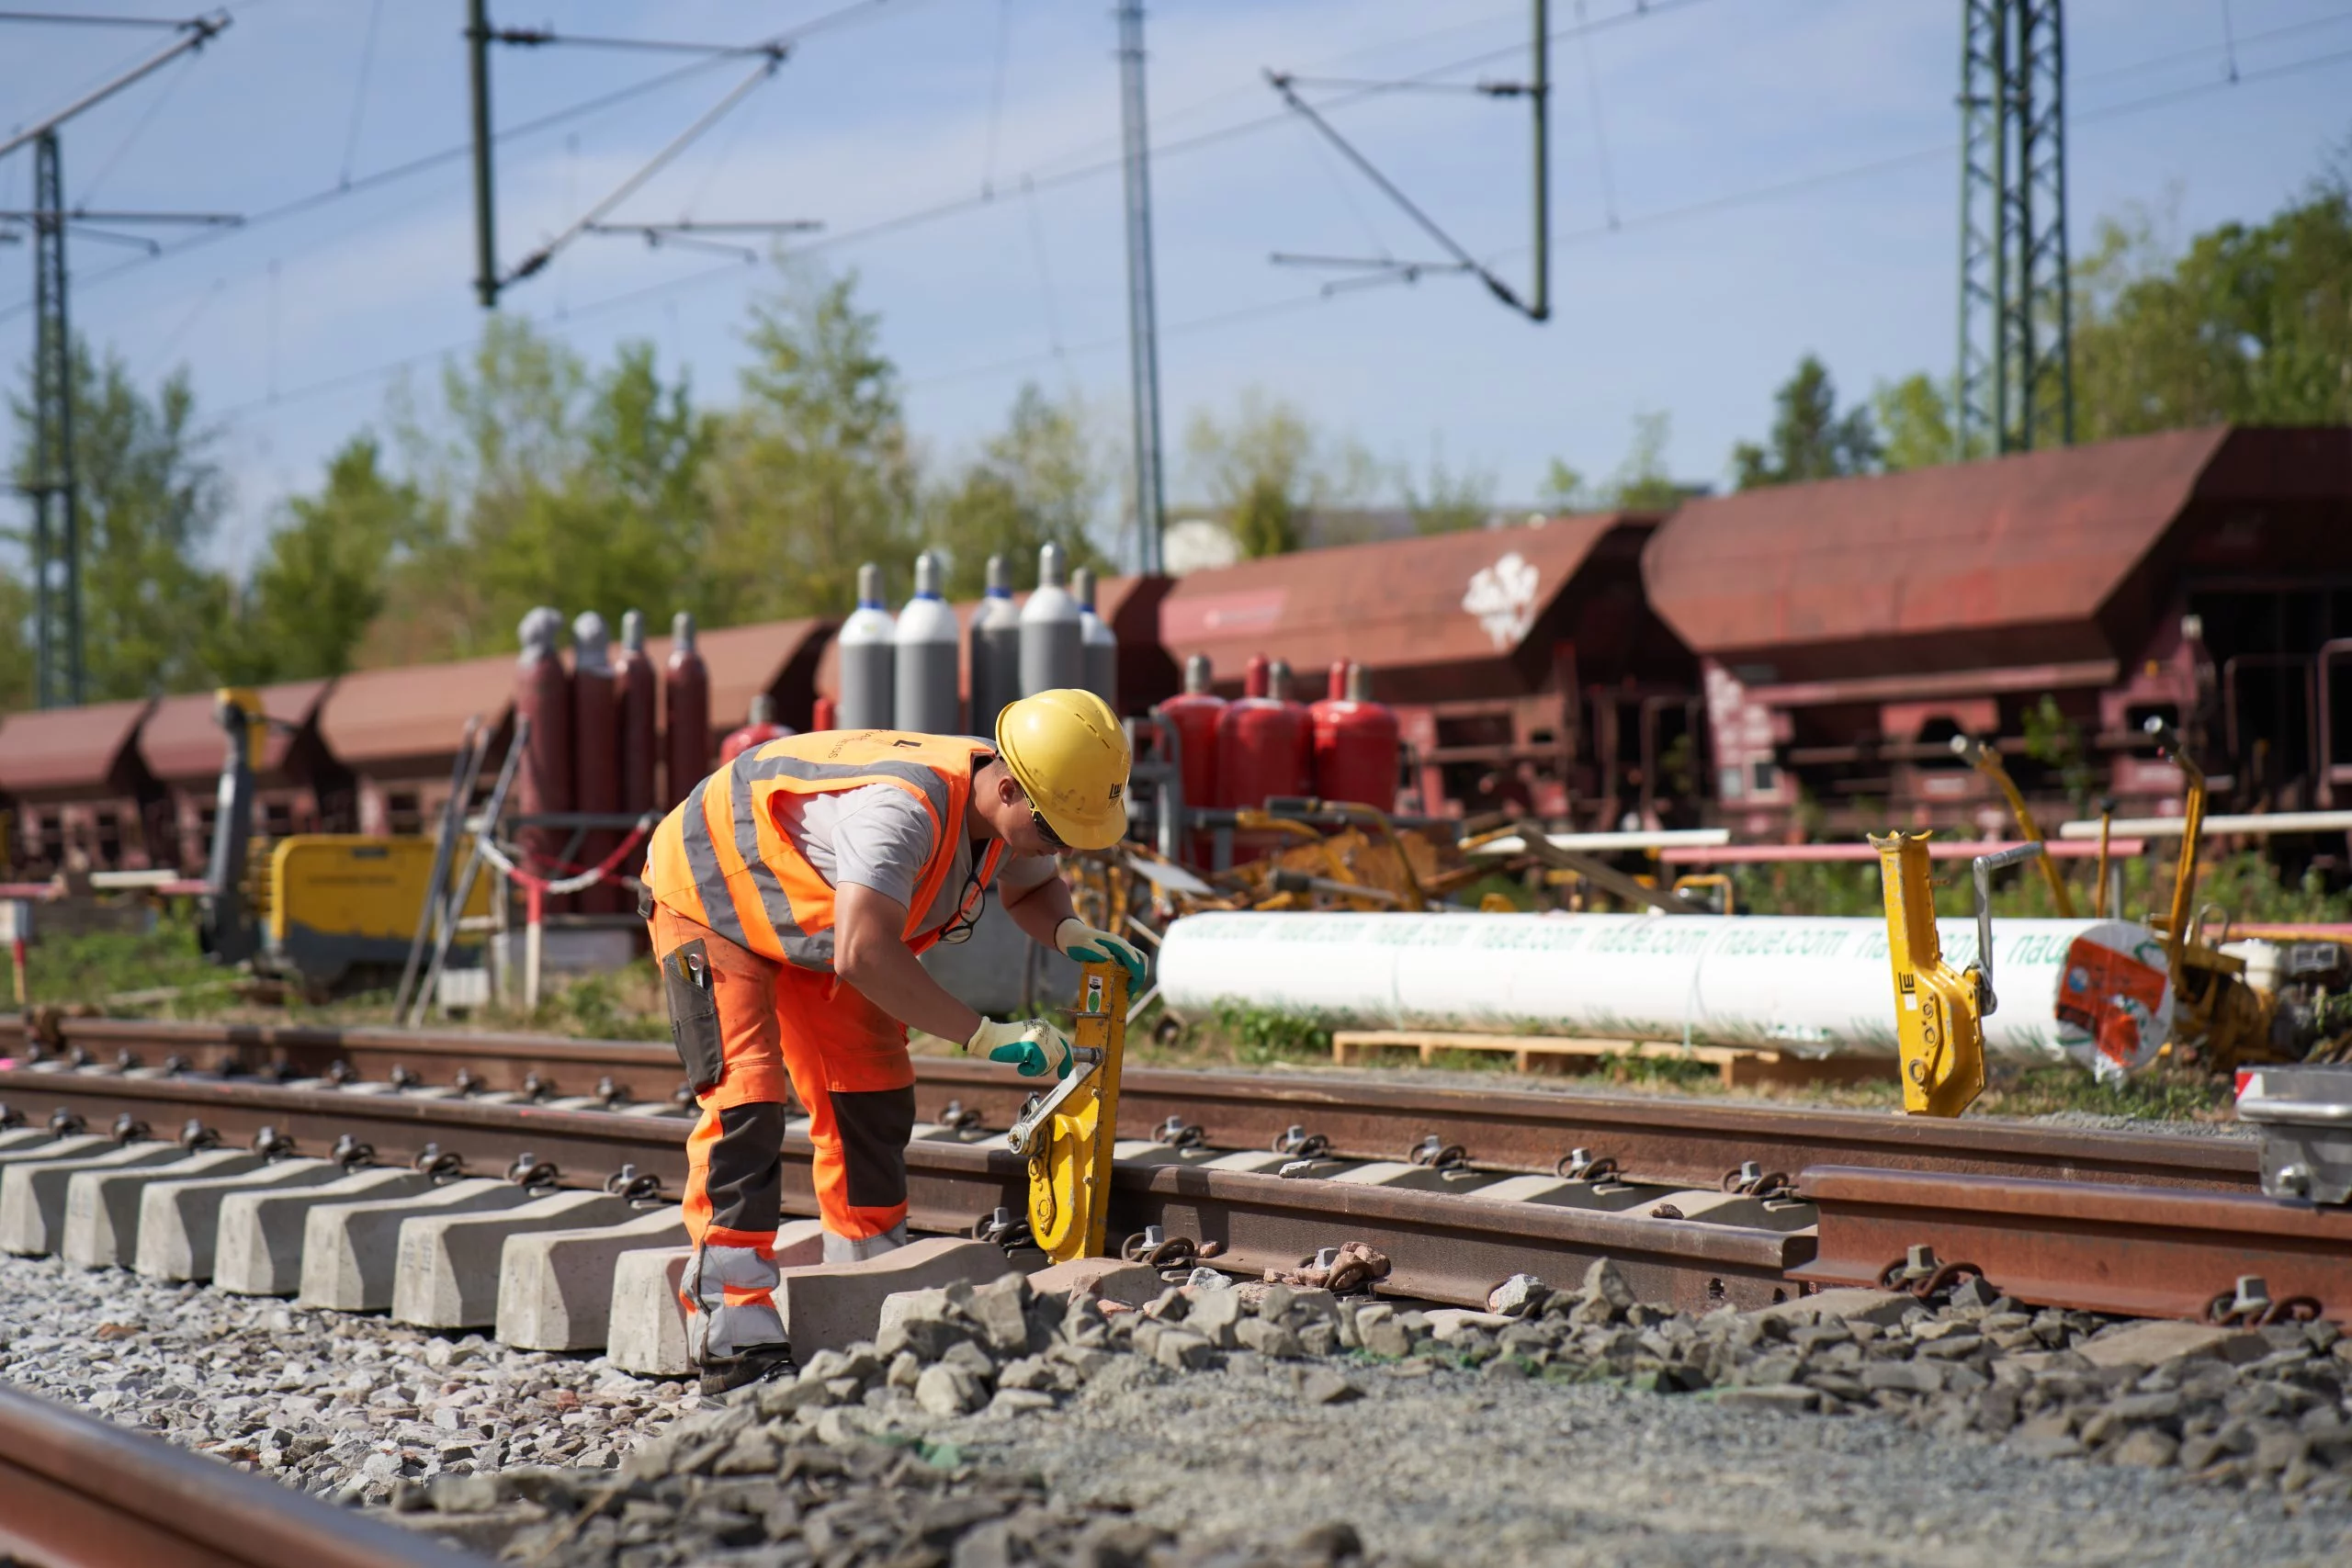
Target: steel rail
1446,1246
2138,1251
77,1491
1682,1142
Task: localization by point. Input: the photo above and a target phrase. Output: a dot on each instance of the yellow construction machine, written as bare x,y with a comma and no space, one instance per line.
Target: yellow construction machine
319,909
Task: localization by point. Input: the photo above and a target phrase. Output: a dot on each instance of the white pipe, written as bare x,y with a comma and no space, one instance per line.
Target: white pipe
1662,839
2256,824
1810,987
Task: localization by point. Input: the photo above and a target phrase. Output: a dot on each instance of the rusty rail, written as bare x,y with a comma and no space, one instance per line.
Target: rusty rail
2140,1252
1678,1141
1444,1246
80,1493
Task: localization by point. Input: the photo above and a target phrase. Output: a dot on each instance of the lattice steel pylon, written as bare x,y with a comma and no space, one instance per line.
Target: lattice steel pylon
57,555
2015,382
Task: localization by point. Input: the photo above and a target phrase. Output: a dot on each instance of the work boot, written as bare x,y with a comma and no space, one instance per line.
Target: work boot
759,1363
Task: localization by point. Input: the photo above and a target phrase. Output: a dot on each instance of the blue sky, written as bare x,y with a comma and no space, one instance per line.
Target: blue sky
1736,182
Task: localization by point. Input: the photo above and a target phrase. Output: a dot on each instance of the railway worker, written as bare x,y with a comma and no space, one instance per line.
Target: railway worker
789,894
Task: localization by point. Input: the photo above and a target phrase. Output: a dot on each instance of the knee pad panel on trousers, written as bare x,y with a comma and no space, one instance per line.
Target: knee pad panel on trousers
874,1125
746,1178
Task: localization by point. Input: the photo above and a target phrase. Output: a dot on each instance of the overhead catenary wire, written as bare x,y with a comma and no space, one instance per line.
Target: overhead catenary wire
546,253
297,205
996,96
155,106
359,90
1296,303
1600,125
1288,304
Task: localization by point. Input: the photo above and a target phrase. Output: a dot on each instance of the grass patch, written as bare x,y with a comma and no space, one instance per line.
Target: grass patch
102,969
2164,1093
2245,884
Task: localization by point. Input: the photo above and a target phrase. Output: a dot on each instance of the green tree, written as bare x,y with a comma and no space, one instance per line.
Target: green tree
150,496
320,582
1036,480
813,474
1809,439
1916,415
2251,324
1640,483
16,643
1266,465
540,481
1445,501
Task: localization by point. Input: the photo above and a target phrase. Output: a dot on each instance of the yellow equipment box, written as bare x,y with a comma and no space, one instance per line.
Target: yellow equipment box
337,901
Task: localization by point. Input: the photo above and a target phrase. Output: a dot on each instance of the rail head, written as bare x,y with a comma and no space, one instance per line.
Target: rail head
77,1491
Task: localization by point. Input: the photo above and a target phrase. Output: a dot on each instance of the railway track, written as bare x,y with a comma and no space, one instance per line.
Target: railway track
1462,1187
77,1491
1666,1141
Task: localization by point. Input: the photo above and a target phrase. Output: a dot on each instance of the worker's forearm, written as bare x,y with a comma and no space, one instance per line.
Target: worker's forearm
1039,910
893,979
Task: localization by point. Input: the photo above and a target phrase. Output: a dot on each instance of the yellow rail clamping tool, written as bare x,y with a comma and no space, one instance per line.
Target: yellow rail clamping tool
1066,1136
1940,1011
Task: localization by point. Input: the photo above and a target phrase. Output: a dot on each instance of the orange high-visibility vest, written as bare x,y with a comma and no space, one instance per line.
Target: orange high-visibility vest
719,858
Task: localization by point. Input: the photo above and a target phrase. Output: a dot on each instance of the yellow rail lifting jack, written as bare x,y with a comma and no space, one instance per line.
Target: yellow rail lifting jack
1940,1011
1066,1136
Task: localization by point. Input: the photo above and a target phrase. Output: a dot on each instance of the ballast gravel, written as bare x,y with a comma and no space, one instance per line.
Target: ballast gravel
340,1405
1253,1425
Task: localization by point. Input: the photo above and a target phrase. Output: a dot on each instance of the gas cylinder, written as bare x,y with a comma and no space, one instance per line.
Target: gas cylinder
996,649
595,753
1193,714
1052,645
1253,676
1283,689
824,714
1263,744
636,692
1357,742
685,707
928,649
1100,652
543,696
761,729
866,662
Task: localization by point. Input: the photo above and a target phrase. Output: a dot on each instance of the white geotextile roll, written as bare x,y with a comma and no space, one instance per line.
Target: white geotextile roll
2090,991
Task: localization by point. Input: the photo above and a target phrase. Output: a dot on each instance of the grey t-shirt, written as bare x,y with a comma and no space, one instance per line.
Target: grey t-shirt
880,836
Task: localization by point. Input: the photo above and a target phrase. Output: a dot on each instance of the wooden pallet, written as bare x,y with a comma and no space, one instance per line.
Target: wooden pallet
1740,1066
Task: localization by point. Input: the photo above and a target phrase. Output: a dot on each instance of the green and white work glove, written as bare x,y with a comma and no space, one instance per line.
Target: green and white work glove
1088,946
1033,1046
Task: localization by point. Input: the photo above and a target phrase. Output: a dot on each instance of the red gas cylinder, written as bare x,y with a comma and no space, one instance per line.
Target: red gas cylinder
685,700
1357,742
636,691
543,697
595,755
1254,678
1193,715
762,729
825,714
1264,744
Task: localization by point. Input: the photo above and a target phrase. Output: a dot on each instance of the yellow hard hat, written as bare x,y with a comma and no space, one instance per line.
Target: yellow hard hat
1068,753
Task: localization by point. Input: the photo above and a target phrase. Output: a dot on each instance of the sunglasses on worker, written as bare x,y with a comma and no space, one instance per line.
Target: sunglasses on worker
1046,831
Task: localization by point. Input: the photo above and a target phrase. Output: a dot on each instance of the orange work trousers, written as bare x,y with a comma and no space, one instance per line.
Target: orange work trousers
750,1031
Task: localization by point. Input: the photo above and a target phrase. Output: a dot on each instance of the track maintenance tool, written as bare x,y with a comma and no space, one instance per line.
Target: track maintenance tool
1065,1135
1940,1011
1986,761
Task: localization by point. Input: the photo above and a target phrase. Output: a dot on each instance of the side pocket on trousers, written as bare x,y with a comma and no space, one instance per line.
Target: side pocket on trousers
694,1014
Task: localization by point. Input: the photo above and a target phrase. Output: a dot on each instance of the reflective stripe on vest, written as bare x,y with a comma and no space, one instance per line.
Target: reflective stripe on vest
719,859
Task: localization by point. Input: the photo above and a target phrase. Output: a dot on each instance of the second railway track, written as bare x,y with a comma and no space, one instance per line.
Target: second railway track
1663,1140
